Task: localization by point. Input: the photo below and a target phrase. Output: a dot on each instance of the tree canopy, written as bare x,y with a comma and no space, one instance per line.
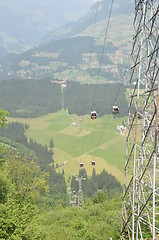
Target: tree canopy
33,98
3,115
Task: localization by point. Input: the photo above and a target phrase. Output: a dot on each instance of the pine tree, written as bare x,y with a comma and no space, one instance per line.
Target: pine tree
51,144
94,172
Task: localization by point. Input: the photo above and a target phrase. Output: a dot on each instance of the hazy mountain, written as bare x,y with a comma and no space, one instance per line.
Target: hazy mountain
3,51
98,12
71,56
23,23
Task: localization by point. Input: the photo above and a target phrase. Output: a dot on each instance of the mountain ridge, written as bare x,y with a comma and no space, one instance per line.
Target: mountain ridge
98,12
27,22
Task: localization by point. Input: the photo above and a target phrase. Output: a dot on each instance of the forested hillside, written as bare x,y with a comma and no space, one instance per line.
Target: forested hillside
28,211
30,98
81,99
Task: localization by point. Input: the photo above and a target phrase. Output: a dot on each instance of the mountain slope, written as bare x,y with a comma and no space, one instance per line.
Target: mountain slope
98,12
8,43
78,57
24,23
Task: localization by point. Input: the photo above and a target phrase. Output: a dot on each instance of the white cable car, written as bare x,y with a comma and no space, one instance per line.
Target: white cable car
93,115
81,164
115,109
93,163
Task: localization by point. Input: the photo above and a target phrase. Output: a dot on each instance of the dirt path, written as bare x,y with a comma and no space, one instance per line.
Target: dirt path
102,145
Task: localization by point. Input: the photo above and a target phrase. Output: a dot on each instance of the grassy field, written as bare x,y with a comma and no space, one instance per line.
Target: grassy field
97,140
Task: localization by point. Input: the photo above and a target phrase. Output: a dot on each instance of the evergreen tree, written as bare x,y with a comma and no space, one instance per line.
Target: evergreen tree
82,172
93,173
3,120
51,144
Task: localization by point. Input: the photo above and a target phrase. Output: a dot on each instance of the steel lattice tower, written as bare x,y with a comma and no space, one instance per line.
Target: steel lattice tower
80,193
140,211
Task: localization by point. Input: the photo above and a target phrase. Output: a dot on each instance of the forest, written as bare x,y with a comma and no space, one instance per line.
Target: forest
30,98
33,197
81,99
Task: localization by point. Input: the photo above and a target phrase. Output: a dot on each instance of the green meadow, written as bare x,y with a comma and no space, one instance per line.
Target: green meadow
97,140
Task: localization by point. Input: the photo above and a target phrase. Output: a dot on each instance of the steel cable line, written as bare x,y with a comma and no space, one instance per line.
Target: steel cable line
103,49
100,63
91,50
118,90
98,79
99,142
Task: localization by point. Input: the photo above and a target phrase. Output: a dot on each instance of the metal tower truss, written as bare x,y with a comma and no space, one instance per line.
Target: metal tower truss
140,211
80,194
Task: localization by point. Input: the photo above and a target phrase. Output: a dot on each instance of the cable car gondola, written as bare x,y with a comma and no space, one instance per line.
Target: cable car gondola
115,109
93,115
93,163
81,164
